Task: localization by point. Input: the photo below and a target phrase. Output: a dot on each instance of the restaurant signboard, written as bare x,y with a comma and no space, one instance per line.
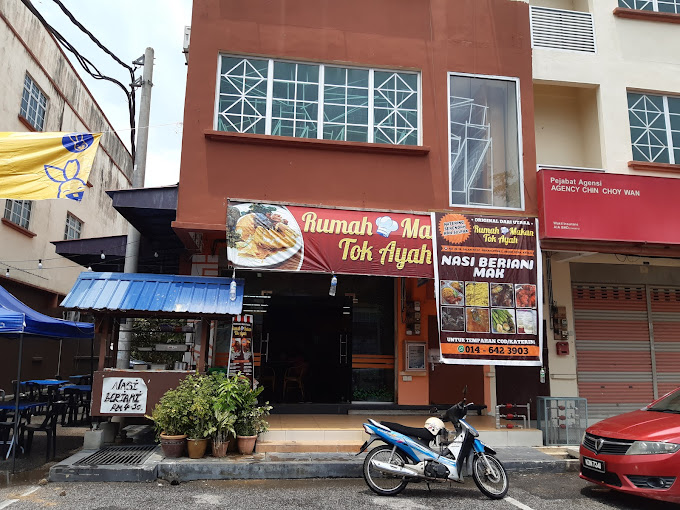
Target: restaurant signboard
316,239
488,282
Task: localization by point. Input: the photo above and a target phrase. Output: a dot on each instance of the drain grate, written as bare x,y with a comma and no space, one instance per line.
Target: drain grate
119,455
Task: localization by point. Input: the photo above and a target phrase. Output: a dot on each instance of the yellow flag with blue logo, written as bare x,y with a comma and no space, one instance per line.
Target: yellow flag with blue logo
37,166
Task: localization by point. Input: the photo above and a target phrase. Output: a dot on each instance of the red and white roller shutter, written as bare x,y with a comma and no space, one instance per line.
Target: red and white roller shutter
614,362
665,305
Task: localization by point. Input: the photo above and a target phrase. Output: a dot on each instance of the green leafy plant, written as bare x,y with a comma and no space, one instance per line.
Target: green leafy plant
242,400
188,408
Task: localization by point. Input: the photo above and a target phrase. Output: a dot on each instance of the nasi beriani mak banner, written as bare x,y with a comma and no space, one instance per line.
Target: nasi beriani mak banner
317,239
488,284
241,350
38,166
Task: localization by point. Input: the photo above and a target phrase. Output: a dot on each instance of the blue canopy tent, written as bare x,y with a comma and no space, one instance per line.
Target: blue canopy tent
17,320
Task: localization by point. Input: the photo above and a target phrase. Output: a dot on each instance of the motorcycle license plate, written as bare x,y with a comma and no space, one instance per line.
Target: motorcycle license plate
594,464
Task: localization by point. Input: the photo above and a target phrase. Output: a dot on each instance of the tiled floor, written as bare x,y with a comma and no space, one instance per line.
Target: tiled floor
355,421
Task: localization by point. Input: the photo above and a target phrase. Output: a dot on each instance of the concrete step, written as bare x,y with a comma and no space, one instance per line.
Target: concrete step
308,446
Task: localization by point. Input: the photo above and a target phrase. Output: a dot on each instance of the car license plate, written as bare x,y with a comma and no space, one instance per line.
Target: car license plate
595,465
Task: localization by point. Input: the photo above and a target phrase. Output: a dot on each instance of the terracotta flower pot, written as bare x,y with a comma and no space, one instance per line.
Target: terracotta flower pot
219,448
246,444
173,446
197,447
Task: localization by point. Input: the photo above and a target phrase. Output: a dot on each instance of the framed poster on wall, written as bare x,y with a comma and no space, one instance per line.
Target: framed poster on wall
415,355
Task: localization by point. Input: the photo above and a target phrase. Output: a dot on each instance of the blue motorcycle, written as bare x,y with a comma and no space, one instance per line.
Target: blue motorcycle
431,454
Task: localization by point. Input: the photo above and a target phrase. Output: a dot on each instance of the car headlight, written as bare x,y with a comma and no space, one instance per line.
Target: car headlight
652,448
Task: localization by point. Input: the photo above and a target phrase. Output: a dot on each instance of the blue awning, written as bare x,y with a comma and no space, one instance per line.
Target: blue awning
16,317
136,293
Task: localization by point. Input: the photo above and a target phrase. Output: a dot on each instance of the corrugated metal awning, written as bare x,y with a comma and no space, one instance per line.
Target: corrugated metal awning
136,294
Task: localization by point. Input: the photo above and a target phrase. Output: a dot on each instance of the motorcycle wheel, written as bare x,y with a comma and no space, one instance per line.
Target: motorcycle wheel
383,483
492,480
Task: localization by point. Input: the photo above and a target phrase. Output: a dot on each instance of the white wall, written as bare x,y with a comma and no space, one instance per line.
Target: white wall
632,54
70,108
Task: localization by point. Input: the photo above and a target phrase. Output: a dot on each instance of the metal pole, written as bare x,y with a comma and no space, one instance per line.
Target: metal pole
133,236
15,438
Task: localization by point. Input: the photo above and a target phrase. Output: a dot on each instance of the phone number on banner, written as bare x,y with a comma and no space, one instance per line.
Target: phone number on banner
491,350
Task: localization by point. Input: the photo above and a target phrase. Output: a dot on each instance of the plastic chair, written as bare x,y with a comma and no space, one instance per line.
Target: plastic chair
49,426
293,379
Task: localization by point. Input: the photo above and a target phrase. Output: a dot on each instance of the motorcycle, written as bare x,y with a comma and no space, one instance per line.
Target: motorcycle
414,454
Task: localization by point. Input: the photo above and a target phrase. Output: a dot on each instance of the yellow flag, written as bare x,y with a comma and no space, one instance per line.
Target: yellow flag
36,166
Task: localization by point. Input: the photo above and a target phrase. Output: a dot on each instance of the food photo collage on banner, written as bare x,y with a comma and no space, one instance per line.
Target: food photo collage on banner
488,281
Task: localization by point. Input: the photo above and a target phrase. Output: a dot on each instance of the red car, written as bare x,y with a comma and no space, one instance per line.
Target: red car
638,452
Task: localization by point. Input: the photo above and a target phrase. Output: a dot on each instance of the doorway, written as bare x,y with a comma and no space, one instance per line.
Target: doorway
309,348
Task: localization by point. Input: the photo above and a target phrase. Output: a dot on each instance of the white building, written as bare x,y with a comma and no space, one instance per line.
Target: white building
41,91
607,97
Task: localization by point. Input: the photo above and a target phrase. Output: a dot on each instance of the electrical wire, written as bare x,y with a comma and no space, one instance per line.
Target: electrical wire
88,66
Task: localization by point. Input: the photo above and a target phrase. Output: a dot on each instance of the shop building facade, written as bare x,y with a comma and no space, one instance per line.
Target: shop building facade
607,119
383,107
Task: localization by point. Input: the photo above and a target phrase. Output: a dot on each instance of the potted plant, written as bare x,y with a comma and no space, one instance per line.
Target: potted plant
224,410
171,419
202,419
250,415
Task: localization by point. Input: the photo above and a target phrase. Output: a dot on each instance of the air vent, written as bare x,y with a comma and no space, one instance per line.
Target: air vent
562,30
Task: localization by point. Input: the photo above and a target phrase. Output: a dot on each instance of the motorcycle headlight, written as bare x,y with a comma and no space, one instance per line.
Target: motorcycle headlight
652,448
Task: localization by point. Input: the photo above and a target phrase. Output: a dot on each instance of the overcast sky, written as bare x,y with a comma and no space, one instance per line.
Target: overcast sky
127,28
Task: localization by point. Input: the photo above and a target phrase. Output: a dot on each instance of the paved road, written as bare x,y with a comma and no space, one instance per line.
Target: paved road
527,492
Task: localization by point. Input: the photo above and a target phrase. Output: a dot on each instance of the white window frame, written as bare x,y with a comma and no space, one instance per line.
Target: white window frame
34,92
320,95
69,227
520,143
669,146
654,3
15,209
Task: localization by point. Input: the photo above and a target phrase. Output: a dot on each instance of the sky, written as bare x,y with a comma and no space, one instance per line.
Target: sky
127,28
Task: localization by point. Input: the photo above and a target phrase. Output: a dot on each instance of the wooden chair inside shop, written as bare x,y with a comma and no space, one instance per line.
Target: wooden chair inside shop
293,379
266,376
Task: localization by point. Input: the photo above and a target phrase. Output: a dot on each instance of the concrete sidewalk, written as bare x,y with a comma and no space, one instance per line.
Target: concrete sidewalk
277,466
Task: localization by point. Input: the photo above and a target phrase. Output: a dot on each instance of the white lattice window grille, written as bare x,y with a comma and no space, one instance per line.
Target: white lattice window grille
33,104
318,101
671,6
73,227
561,29
485,167
654,127
19,212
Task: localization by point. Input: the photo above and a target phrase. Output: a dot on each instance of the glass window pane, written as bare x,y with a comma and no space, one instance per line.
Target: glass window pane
357,115
357,96
333,132
284,71
335,75
308,73
334,95
485,160
305,129
333,113
242,98
357,133
357,77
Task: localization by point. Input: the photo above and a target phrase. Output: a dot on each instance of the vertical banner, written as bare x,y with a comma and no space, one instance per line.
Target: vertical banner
488,281
241,350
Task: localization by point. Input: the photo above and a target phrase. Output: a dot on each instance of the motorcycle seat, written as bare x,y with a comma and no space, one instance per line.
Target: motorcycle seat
420,433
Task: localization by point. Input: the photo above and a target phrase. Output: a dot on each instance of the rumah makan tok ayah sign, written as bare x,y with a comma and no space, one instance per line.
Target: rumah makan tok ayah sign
299,238
488,283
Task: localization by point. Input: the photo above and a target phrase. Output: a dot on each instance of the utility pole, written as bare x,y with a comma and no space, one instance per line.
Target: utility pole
133,235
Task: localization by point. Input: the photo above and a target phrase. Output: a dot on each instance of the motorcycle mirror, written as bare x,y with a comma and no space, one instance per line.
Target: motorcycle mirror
434,410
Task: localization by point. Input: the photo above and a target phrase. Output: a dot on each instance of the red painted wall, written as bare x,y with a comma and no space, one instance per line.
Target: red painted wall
433,36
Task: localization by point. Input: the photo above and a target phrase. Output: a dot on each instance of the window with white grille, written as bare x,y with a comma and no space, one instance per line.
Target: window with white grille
73,227
654,127
33,104
560,29
19,212
273,97
670,6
